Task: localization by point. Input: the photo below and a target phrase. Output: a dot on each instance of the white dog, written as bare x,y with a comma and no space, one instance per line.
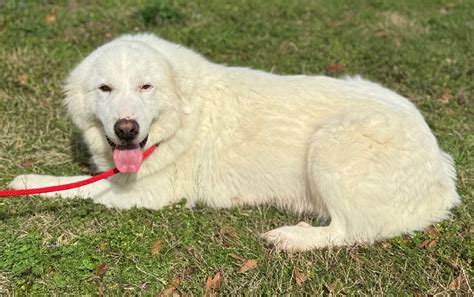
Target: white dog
347,150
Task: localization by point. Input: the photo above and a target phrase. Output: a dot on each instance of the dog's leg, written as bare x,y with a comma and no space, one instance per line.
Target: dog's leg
29,181
152,194
303,237
377,178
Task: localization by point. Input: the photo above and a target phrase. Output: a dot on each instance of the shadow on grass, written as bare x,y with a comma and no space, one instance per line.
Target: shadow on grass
80,152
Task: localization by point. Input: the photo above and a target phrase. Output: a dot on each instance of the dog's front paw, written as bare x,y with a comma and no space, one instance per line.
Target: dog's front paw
21,182
29,181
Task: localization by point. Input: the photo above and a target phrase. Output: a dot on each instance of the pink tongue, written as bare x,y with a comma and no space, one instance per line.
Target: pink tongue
127,161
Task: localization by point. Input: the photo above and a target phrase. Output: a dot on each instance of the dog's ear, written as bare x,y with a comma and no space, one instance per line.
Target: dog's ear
178,87
75,98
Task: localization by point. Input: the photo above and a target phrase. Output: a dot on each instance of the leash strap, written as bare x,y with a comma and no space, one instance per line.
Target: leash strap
33,191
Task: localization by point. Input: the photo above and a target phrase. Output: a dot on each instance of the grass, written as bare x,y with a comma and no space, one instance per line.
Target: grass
422,49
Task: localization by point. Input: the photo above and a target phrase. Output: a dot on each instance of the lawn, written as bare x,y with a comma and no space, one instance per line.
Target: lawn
422,49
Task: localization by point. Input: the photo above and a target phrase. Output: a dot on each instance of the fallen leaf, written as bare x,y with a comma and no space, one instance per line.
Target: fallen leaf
445,96
456,283
212,284
155,248
431,231
27,163
50,19
299,278
237,257
23,78
428,244
101,289
172,287
248,265
335,68
432,244
330,287
228,230
471,230
101,270
102,247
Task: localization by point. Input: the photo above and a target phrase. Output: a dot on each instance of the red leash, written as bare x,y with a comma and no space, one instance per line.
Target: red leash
5,193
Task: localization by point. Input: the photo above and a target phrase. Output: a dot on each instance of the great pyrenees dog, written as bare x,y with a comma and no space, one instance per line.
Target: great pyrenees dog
346,150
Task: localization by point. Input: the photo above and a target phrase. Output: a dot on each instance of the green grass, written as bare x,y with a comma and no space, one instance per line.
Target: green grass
421,49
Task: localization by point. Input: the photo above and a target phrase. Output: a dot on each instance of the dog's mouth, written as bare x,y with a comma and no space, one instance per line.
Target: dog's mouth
128,156
128,145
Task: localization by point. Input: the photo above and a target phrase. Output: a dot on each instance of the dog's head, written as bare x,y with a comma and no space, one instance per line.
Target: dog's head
122,89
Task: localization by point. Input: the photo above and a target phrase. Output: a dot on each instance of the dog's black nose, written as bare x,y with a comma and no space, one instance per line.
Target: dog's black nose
126,129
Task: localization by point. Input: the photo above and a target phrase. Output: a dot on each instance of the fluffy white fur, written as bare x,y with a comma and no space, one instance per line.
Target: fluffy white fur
347,149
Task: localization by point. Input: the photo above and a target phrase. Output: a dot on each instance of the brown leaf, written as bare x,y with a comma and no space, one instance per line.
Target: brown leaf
445,96
155,248
432,244
101,270
27,163
102,247
50,18
237,257
471,230
228,230
456,283
101,289
212,284
174,284
432,231
330,287
428,244
248,265
23,79
299,278
335,68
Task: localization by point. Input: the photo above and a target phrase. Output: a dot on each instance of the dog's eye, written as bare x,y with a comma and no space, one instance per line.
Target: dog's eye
105,88
146,87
